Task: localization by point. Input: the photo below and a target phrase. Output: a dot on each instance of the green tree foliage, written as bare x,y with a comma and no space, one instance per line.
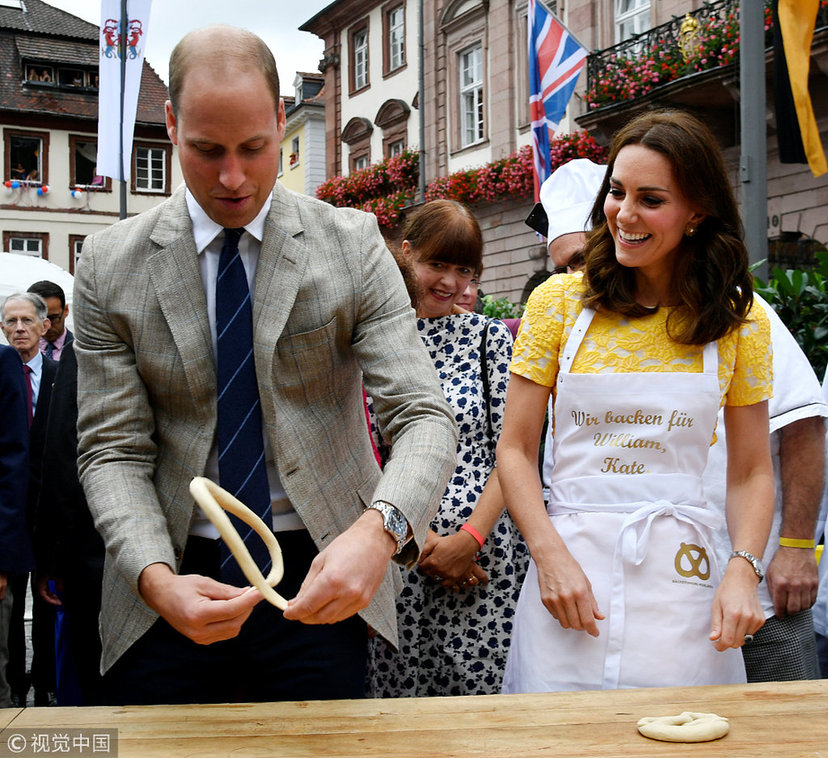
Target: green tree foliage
800,298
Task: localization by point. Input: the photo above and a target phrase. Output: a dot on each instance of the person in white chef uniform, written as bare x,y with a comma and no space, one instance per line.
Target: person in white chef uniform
640,351
784,648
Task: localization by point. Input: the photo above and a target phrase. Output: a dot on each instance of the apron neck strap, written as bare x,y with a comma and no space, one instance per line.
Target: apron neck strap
710,358
576,337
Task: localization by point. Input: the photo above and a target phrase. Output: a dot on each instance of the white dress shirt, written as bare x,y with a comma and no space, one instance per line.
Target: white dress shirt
209,239
36,365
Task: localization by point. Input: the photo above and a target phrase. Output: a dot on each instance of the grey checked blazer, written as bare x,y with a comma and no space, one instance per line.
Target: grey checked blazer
330,312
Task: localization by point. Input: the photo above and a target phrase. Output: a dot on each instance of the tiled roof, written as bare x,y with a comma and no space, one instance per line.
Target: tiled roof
55,50
42,18
45,34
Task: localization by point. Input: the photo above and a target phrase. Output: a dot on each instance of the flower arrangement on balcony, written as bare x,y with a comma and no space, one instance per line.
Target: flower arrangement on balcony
641,65
386,188
511,176
383,188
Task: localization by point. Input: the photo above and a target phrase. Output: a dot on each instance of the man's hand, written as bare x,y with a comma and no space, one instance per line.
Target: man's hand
793,580
345,575
792,575
200,608
46,593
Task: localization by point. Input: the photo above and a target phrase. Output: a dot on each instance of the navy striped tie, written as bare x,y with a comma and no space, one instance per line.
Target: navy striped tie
240,441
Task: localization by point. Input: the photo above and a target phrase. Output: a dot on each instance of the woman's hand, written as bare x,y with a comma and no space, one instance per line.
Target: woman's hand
567,593
450,560
736,607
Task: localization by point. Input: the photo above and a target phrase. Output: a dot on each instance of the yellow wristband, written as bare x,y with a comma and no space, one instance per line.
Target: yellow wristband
789,542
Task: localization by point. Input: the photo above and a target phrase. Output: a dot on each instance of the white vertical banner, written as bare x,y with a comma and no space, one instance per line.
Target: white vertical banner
109,83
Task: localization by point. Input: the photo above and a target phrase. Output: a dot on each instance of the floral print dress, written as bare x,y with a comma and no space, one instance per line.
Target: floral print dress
456,643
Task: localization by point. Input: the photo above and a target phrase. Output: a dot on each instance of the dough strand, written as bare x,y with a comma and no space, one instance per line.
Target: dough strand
214,500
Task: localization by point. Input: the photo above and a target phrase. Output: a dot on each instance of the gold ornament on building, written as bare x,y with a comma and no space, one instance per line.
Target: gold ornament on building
688,42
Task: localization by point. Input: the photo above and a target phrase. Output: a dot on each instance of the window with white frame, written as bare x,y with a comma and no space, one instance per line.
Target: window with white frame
83,156
281,161
151,170
396,37
75,247
363,161
34,244
360,58
26,155
294,152
396,148
631,17
471,96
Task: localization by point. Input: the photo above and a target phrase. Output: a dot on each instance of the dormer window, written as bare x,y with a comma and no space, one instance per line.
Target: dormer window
70,77
40,74
61,77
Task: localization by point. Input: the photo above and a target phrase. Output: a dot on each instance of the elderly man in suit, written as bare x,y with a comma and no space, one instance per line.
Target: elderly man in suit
15,550
25,321
327,312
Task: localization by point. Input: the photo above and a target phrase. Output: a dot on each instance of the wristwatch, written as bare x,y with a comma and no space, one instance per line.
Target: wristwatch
394,523
752,560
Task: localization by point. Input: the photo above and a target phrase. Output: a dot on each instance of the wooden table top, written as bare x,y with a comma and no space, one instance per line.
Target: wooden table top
766,720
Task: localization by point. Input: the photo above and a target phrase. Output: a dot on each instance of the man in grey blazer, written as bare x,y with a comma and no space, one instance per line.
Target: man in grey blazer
330,313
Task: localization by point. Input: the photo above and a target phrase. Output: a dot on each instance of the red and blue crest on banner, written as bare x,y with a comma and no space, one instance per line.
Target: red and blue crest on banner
111,38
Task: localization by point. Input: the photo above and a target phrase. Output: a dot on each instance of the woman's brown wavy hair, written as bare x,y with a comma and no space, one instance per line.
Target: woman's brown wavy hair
711,282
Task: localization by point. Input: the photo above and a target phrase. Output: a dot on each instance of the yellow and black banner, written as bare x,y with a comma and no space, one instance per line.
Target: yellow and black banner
799,140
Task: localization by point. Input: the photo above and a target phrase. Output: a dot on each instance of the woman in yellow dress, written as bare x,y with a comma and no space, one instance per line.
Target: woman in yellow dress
640,352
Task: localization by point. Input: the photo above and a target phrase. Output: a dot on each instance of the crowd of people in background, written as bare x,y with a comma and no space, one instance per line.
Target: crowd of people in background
461,512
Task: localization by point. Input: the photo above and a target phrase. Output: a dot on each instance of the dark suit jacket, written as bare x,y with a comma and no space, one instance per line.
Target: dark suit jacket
37,439
15,549
65,535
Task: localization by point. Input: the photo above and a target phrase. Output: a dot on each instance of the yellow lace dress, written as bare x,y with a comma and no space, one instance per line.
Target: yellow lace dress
618,344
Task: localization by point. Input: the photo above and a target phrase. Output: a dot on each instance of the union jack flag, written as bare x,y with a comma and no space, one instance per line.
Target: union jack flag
555,61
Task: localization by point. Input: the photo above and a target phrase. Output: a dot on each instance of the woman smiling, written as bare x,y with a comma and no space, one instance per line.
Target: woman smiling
623,589
455,611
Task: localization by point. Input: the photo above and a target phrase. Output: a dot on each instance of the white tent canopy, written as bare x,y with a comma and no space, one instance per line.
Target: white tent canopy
18,272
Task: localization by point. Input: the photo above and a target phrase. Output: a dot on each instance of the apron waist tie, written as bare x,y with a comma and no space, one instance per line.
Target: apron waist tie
633,539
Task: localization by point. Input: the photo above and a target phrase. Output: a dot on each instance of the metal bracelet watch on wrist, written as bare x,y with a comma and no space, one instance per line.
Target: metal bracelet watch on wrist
393,522
752,560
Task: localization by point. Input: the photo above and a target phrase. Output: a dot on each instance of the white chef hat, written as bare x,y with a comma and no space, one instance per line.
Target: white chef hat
568,195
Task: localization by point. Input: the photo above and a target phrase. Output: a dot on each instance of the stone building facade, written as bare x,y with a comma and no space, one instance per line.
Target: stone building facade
52,196
475,104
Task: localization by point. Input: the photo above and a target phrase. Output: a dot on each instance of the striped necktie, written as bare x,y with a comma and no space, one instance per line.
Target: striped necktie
240,441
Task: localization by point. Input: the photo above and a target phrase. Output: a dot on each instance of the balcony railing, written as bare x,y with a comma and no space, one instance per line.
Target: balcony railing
703,39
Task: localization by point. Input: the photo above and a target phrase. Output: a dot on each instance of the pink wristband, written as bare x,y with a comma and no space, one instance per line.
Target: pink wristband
474,533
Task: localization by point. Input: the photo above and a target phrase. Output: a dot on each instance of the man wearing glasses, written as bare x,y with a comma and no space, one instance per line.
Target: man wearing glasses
57,336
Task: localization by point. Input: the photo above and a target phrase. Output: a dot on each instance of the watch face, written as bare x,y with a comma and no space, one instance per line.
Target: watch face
396,523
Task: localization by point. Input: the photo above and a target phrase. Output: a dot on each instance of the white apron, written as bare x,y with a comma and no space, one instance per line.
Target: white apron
626,498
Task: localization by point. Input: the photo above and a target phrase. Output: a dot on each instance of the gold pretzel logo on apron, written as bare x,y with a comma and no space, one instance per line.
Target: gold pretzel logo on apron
697,557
